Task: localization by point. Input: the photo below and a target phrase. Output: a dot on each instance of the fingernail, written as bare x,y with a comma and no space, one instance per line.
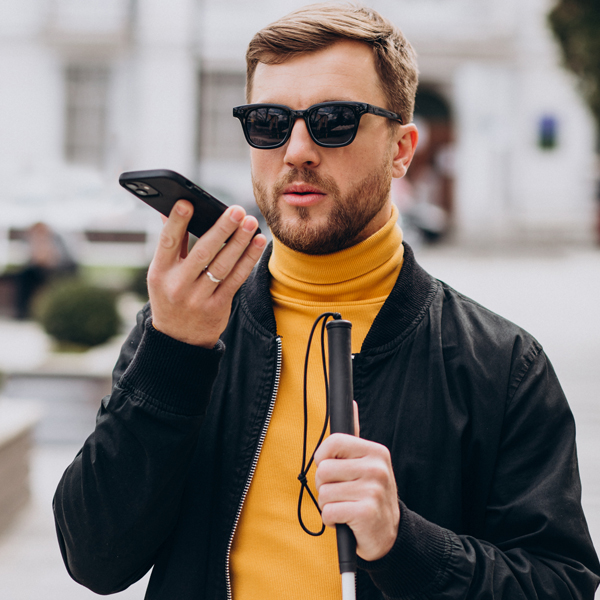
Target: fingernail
249,224
237,214
260,241
182,209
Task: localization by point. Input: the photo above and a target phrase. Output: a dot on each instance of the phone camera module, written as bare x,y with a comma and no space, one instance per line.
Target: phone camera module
142,189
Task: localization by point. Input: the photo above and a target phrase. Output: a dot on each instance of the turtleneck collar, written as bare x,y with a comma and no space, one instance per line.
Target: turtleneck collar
365,271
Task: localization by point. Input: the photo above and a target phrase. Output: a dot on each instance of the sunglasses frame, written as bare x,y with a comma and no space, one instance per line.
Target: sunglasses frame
358,108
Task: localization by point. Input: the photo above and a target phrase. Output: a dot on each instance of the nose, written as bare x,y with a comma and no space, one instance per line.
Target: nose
300,150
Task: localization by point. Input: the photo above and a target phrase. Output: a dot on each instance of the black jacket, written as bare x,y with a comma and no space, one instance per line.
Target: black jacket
481,437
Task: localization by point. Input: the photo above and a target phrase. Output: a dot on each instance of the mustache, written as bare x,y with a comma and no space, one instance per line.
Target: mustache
327,184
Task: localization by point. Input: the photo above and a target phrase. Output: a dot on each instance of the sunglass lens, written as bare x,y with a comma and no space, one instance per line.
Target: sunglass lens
267,126
333,125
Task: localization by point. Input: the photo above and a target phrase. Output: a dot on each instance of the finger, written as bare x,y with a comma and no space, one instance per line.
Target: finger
355,513
335,513
356,419
375,533
244,267
342,445
174,231
228,256
207,246
333,471
344,491
184,243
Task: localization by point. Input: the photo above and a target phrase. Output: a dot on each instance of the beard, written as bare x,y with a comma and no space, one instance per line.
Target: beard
346,221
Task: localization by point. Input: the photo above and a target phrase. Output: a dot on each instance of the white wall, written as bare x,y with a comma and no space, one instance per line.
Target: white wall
485,136
164,91
552,190
31,102
494,58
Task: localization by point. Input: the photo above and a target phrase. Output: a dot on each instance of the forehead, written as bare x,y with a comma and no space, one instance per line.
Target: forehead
344,71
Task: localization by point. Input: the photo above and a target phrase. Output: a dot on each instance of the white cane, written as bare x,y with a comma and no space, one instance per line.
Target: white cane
342,421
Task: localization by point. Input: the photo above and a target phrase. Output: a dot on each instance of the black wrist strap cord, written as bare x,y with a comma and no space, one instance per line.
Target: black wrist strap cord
307,465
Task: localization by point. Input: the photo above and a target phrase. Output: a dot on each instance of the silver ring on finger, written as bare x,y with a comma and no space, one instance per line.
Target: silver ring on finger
212,277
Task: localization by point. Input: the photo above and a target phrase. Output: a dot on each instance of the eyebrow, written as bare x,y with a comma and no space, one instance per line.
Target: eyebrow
338,99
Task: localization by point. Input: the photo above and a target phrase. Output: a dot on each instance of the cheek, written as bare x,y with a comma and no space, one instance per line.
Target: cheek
264,164
352,167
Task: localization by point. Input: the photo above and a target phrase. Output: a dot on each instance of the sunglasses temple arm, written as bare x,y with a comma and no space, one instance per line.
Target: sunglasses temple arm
385,113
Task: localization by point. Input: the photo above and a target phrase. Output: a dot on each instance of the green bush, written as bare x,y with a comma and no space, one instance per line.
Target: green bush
75,313
139,284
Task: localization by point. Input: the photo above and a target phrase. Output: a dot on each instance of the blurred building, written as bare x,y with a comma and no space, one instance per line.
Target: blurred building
90,88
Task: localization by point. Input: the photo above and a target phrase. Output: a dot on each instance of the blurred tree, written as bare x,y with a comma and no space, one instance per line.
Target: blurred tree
576,26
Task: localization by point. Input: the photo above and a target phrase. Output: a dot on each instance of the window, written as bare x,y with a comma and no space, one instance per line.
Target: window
86,105
219,134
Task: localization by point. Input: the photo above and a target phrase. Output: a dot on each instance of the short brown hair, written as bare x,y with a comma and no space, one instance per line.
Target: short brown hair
318,26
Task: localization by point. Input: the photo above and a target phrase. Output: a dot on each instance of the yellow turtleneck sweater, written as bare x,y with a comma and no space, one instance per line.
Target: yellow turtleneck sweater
272,557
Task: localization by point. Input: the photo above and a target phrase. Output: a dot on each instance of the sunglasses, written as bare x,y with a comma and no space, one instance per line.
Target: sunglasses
330,124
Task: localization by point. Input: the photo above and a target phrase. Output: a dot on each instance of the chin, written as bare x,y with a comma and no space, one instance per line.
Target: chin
313,239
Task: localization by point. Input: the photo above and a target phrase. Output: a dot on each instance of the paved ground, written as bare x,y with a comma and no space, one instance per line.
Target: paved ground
555,295
31,566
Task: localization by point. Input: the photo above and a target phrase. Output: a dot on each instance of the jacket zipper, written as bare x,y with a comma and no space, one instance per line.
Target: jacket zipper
252,469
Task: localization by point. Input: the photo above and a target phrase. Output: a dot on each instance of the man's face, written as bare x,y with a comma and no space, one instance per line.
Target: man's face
320,200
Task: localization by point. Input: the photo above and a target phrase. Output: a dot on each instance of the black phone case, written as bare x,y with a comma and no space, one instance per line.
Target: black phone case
170,187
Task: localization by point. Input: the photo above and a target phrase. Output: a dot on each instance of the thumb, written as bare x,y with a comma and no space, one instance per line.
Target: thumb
184,243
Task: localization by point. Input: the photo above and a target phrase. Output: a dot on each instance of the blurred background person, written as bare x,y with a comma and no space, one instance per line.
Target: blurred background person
49,258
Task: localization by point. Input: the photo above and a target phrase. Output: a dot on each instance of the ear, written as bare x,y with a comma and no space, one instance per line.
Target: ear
405,144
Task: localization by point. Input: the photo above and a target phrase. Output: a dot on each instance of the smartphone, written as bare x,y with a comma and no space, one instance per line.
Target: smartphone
161,188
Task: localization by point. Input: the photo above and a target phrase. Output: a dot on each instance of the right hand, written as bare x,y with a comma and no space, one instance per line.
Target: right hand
186,304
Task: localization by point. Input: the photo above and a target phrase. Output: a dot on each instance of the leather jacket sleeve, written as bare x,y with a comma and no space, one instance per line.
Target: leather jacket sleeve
117,502
535,542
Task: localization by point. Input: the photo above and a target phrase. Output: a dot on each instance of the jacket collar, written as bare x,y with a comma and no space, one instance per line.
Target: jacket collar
406,305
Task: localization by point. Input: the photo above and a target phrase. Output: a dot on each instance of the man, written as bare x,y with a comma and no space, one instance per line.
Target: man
49,259
464,481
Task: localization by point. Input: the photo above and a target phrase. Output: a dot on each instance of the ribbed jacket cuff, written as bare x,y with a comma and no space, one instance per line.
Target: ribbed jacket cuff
176,376
417,564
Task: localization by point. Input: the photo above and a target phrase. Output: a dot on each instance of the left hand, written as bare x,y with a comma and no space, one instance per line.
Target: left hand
356,485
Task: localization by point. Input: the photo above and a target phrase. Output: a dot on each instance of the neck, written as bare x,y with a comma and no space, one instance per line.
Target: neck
379,221
357,270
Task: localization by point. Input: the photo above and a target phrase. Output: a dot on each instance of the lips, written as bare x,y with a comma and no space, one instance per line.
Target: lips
302,194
